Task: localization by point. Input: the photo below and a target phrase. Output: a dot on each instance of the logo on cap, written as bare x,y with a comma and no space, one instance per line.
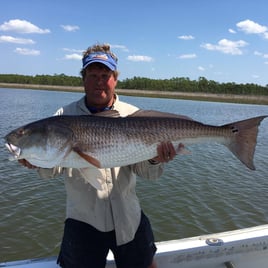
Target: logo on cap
100,56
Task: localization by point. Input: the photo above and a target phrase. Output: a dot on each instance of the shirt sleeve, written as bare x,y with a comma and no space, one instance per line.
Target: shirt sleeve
147,170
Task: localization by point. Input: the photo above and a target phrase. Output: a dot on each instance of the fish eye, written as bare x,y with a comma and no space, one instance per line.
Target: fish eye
20,132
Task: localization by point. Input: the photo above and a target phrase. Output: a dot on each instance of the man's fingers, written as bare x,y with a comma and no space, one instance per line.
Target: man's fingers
166,151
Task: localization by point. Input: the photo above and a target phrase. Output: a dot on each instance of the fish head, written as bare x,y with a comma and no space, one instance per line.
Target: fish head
22,138
41,143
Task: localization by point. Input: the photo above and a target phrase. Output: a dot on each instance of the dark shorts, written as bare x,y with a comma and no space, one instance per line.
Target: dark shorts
83,246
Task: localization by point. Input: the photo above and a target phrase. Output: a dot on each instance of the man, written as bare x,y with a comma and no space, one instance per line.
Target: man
99,220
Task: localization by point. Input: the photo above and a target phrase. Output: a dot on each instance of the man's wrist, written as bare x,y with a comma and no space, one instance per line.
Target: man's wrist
153,162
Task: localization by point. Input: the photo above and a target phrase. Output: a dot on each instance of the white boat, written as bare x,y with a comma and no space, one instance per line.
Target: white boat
243,248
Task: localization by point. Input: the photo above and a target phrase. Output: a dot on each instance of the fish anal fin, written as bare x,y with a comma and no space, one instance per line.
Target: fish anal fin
95,180
93,161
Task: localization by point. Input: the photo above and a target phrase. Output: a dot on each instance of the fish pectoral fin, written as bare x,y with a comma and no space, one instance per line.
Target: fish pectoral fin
93,161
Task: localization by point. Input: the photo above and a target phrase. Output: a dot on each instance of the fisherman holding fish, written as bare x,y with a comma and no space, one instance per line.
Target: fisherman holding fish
101,144
106,215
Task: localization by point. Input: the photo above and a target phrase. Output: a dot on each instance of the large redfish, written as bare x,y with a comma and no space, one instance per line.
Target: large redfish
105,142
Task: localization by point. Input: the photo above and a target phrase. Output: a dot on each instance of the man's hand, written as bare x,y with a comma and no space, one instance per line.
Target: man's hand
167,152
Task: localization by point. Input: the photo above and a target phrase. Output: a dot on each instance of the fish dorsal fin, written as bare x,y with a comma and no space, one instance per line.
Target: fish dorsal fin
153,113
110,113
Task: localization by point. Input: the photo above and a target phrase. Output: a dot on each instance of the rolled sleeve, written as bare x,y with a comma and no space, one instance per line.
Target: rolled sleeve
147,170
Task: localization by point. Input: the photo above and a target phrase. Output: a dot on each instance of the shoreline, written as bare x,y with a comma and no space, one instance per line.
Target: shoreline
232,98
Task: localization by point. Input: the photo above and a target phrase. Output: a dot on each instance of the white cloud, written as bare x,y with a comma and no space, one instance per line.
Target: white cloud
256,76
26,51
263,55
200,68
257,53
73,50
70,28
227,46
121,47
186,37
140,58
10,39
265,35
187,56
22,26
231,31
73,56
251,27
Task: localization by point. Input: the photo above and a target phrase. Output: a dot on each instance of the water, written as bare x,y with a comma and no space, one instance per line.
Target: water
205,192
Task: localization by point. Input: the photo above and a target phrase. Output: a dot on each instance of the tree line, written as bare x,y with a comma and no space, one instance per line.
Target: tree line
176,84
55,80
181,84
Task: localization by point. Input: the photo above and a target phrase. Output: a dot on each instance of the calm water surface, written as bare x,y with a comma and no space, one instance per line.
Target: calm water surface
205,192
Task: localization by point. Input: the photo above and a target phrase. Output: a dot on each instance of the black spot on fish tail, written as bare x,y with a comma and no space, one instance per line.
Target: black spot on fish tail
234,129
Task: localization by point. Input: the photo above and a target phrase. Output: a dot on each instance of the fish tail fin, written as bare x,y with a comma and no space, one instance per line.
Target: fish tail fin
243,139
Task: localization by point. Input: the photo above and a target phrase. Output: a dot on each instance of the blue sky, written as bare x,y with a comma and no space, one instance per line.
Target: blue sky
224,41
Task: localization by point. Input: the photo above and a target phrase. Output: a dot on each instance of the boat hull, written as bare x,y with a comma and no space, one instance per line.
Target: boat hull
245,248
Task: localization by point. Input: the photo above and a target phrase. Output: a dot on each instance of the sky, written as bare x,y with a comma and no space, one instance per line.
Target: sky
224,41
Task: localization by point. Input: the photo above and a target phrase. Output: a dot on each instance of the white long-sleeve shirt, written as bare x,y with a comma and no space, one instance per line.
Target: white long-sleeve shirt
116,206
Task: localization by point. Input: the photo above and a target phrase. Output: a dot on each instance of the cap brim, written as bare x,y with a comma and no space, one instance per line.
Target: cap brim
109,65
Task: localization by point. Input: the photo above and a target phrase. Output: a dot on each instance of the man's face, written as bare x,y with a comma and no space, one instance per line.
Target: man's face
99,84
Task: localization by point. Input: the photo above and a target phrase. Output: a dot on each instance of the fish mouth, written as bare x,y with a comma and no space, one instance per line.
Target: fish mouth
14,150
